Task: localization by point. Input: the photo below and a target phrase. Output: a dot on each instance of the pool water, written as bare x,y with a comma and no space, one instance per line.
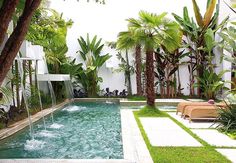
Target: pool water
79,131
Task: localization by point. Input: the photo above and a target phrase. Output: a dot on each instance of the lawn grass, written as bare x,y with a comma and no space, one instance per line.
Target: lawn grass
179,154
231,134
136,98
148,111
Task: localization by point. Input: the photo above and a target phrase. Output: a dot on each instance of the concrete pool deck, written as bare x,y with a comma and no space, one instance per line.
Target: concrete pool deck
134,147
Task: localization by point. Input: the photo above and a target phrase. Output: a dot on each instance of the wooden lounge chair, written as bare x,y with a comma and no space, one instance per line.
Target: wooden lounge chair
201,112
182,106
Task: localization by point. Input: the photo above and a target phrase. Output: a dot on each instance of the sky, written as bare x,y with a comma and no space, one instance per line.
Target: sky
108,20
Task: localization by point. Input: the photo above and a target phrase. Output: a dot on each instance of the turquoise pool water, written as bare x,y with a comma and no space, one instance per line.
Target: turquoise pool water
79,131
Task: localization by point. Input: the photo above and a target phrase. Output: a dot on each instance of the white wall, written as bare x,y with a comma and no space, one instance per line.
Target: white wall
108,20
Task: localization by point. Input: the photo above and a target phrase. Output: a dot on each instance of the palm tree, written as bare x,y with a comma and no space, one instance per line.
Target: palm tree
153,31
126,40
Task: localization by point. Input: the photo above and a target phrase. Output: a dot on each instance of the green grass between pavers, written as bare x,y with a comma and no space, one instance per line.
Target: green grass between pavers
136,98
231,134
180,154
148,111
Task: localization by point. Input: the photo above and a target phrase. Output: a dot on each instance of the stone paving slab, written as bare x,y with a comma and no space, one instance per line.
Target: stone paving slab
215,138
134,147
194,124
229,153
165,132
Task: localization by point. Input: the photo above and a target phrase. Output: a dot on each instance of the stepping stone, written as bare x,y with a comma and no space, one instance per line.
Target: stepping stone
229,153
165,132
193,124
215,138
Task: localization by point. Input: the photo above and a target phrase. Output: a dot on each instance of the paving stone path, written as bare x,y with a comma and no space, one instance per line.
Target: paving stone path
165,132
229,153
215,138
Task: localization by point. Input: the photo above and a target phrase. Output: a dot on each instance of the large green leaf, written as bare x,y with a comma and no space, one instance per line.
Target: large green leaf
209,40
198,15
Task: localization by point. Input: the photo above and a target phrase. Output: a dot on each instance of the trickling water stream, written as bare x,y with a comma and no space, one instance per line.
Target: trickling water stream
39,95
69,90
20,67
52,93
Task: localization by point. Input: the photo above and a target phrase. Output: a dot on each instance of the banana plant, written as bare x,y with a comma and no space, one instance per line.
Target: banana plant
90,52
198,36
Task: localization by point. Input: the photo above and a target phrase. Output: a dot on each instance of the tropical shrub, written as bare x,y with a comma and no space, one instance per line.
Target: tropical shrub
199,38
50,31
128,70
5,99
5,95
227,118
125,65
210,83
228,42
167,71
90,52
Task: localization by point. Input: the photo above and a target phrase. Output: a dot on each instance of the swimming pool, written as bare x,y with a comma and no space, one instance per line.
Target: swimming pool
80,131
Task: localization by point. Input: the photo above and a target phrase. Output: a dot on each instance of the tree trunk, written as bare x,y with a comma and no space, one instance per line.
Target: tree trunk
179,82
12,86
144,82
129,86
138,61
150,78
6,12
13,44
17,85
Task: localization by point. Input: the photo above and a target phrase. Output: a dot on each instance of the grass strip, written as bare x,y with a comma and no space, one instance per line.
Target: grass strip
206,153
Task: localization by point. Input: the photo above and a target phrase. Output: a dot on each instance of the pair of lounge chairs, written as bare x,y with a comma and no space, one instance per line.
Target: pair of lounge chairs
199,110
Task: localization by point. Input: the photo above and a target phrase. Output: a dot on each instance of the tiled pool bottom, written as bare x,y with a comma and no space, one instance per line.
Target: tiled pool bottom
80,131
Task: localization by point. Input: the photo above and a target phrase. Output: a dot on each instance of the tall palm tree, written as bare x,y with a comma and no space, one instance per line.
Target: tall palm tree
153,31
126,40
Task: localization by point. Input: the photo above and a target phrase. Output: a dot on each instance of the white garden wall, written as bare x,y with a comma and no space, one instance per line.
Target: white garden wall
107,21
